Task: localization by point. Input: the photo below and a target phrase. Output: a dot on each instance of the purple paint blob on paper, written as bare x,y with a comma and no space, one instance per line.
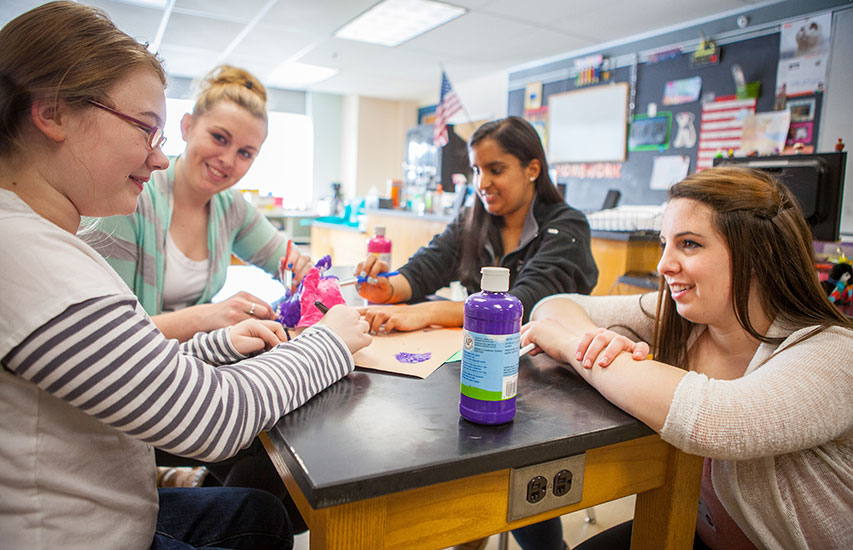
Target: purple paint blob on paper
404,357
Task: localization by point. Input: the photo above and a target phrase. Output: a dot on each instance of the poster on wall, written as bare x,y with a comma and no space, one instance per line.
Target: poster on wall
681,91
538,118
803,53
532,96
669,169
764,133
721,127
649,133
802,109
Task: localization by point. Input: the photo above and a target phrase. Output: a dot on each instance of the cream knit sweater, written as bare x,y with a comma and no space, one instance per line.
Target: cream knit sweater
780,437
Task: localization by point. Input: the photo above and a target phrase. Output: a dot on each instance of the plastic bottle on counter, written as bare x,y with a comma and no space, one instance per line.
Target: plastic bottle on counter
379,246
490,345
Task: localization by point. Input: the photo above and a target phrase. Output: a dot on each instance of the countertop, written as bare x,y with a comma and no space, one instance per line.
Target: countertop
373,433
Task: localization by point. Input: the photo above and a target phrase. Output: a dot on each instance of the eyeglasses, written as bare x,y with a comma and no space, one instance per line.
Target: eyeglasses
156,139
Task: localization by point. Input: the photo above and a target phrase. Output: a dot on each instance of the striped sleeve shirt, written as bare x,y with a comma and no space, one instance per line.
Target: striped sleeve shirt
107,359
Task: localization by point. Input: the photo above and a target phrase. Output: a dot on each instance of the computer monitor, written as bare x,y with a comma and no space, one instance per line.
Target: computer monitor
816,181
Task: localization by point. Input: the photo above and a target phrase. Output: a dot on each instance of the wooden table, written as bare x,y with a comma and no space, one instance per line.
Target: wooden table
384,461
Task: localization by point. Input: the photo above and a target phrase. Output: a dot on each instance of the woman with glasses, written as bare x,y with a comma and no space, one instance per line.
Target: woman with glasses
174,250
88,385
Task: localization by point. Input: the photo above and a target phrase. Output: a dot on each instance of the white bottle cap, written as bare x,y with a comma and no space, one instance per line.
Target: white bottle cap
379,230
495,279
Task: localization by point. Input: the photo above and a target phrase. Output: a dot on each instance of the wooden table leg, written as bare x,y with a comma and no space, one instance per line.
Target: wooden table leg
354,526
661,518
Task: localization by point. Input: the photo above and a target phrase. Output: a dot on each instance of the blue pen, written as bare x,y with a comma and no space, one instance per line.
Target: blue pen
364,279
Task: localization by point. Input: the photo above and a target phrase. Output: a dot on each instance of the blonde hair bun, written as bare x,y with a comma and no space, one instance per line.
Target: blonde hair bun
235,85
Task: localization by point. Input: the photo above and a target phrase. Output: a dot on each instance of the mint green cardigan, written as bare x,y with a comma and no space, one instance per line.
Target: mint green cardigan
135,245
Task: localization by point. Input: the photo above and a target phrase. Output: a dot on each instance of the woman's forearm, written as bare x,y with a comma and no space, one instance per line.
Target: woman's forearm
402,290
442,312
181,325
643,389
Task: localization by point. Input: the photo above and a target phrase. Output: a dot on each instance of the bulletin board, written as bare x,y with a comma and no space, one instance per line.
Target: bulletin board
588,124
588,181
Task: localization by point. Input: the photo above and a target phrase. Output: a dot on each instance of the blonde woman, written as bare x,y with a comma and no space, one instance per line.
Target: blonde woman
173,251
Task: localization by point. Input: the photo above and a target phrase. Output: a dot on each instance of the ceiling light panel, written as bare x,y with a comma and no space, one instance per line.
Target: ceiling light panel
392,22
293,75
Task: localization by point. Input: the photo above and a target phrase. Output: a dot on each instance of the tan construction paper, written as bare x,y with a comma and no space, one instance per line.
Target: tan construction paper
381,354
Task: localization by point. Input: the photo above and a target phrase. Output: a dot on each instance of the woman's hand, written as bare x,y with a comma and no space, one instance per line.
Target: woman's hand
297,263
606,345
253,335
549,336
402,318
376,289
349,325
237,308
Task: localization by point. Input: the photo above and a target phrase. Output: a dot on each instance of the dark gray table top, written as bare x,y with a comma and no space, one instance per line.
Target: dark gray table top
374,433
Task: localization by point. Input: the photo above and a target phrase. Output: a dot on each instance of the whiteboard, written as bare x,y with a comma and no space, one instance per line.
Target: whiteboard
588,125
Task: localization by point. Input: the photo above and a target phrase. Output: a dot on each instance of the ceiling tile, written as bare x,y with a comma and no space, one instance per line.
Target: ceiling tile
200,32
267,40
319,16
227,10
189,62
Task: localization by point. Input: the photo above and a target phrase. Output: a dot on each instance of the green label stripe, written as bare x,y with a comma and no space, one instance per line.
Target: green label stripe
482,395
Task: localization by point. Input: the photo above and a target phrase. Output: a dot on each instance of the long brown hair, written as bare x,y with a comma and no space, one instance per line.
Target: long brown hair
770,245
62,51
518,138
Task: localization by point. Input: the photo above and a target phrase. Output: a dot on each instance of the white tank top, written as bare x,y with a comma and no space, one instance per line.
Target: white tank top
184,278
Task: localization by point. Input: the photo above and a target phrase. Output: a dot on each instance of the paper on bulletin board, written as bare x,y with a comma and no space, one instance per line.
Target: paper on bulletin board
804,47
391,352
681,91
669,169
765,133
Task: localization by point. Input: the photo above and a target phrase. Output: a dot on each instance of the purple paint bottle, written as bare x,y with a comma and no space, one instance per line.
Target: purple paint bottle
490,350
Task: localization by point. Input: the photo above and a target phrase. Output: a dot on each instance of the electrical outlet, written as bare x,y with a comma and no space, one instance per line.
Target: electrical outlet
541,487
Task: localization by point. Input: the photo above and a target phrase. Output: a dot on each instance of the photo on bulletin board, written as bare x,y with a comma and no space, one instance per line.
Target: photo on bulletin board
802,110
650,133
532,96
799,132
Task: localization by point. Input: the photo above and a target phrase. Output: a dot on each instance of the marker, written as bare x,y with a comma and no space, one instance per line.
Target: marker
284,274
321,306
354,280
523,351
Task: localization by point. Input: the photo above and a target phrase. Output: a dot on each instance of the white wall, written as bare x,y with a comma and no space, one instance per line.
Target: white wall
381,141
373,133
350,146
484,98
326,111
836,119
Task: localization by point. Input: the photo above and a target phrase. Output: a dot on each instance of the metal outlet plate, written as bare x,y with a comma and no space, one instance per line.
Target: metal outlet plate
521,484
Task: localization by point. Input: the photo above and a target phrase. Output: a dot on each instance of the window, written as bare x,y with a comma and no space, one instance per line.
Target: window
285,165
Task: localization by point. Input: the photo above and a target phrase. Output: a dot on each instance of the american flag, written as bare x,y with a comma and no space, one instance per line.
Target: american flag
448,105
721,128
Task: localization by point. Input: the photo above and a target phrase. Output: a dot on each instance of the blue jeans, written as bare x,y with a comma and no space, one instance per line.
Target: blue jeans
545,535
221,517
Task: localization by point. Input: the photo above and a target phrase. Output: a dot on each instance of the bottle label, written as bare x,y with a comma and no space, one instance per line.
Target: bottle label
489,365
383,257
